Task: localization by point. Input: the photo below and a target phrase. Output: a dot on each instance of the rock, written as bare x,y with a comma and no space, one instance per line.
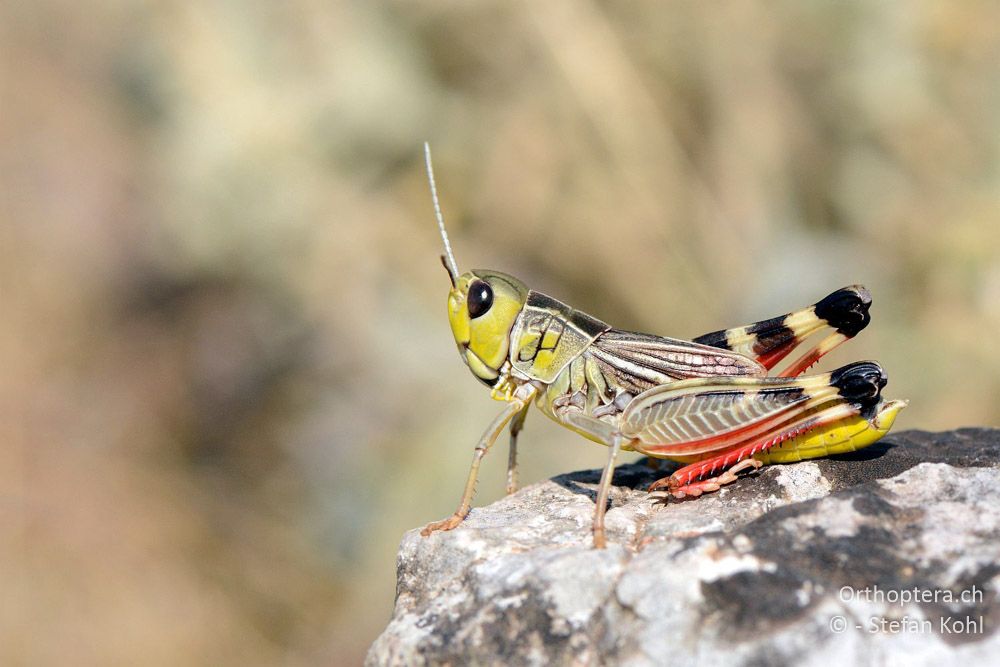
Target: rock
886,556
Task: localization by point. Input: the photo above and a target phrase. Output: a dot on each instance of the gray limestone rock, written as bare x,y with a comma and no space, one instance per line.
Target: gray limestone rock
887,556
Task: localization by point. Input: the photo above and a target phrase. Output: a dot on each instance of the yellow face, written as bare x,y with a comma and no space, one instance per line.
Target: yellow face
482,309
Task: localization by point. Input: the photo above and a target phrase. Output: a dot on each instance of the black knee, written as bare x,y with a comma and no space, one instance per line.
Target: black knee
846,310
861,383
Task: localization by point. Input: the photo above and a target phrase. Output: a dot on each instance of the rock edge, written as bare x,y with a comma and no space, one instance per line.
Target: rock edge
886,556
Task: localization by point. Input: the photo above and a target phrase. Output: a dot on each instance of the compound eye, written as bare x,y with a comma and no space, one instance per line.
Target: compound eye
480,298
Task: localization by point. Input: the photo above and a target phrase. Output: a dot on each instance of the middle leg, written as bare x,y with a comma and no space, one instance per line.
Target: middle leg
603,490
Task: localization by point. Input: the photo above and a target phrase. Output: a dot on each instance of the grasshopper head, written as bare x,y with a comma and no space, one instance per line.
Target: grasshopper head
482,308
482,305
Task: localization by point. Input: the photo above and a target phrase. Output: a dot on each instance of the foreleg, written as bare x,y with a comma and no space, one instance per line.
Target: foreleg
516,424
516,404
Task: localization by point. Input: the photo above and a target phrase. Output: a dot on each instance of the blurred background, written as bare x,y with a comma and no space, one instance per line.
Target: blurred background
228,381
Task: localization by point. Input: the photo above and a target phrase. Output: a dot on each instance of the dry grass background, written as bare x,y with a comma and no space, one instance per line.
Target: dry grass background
228,381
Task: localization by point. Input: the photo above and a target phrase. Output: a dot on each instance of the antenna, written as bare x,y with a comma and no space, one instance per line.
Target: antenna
448,259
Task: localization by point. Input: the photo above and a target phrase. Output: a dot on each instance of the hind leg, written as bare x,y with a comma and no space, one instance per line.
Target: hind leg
770,341
716,424
850,434
689,480
695,489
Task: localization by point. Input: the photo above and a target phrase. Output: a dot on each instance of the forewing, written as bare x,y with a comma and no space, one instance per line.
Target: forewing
641,361
698,416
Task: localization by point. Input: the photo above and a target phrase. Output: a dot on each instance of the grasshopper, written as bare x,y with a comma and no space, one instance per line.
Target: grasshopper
707,403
